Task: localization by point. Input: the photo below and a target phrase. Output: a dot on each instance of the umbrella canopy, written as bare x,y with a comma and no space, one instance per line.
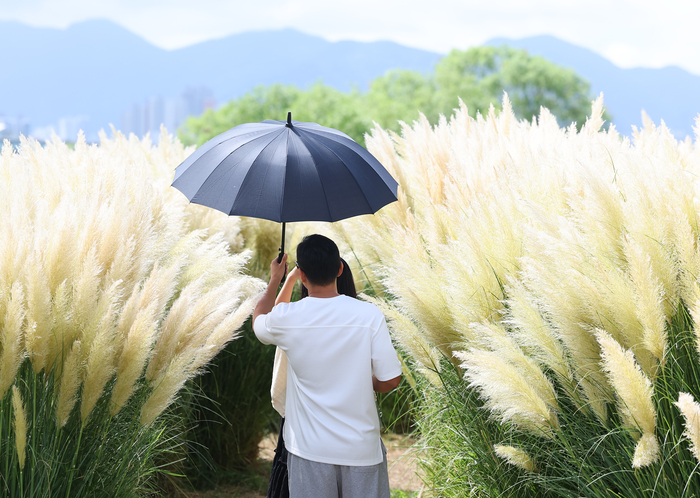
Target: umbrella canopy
286,171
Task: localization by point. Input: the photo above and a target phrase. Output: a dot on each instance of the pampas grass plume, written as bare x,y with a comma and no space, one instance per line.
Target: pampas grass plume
20,426
508,394
634,391
650,303
166,387
100,362
70,383
515,456
691,413
12,338
633,388
646,451
135,353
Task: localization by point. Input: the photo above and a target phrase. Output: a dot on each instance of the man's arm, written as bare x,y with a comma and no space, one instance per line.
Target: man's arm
285,295
267,301
384,386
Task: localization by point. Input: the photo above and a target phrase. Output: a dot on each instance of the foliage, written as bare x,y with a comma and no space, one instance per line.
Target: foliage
477,76
84,459
480,75
273,102
401,95
109,304
234,413
458,440
545,278
397,408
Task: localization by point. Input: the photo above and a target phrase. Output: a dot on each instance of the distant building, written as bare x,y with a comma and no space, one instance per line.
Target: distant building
70,126
196,100
67,129
132,121
12,127
154,115
158,110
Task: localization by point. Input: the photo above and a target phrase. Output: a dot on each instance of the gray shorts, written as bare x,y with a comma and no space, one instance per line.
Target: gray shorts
309,479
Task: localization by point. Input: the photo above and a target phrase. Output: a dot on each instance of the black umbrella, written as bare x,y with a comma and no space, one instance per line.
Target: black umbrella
286,171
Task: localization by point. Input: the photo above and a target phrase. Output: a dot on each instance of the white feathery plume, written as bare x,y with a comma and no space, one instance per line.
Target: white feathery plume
646,451
134,355
534,334
691,413
407,334
100,361
495,338
650,307
70,384
508,394
19,424
12,337
39,322
634,392
515,456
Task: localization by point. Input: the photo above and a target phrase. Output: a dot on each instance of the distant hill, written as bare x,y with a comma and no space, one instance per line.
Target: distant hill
669,93
98,68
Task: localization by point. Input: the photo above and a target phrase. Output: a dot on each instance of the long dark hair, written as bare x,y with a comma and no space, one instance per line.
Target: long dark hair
345,283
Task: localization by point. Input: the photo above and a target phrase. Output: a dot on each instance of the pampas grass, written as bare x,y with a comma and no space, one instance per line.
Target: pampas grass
20,426
515,456
544,237
691,413
109,302
635,393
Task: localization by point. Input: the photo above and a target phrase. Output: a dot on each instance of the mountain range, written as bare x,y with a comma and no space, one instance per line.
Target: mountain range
671,93
98,69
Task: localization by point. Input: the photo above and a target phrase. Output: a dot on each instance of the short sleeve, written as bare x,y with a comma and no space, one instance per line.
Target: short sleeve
385,361
261,327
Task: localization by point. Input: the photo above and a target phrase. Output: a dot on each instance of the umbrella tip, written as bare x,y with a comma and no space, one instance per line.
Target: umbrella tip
289,119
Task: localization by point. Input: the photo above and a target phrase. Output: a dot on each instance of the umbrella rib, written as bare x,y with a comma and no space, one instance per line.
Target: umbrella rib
221,194
356,148
213,150
343,163
251,169
313,159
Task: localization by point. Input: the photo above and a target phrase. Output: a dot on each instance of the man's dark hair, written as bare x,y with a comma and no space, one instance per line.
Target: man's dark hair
345,283
318,257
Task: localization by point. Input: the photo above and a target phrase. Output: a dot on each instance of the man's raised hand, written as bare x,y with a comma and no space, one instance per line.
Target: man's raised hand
278,270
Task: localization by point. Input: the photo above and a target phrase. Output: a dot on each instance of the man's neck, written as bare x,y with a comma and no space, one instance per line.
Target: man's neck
323,291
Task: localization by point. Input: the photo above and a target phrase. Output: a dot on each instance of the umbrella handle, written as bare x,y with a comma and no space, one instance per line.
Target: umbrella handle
279,258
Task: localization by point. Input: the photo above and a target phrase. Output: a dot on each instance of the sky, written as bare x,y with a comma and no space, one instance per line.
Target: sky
630,33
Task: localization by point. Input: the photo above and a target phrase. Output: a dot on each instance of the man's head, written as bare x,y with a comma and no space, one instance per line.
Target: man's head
318,257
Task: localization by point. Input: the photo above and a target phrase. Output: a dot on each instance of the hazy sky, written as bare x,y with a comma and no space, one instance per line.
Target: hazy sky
630,33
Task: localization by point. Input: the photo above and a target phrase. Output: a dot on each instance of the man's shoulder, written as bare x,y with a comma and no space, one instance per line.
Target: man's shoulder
358,306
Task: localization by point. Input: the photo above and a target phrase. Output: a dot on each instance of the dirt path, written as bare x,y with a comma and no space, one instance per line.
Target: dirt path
400,456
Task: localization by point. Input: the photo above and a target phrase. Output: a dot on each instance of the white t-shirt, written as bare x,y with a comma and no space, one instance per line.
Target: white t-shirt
333,347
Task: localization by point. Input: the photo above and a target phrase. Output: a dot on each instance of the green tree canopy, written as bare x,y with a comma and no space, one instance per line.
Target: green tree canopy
400,95
320,104
479,76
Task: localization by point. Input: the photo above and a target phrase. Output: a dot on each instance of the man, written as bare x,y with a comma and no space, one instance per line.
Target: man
339,352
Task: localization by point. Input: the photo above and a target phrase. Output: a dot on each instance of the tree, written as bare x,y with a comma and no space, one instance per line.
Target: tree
479,76
399,95
319,104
